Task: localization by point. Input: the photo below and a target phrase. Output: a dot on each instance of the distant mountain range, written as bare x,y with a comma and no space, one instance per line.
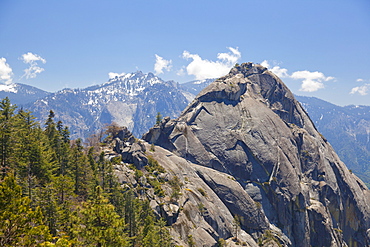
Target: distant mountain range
131,100
22,94
134,99
347,129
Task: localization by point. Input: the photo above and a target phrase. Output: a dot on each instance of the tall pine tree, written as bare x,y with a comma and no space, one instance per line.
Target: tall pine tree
20,225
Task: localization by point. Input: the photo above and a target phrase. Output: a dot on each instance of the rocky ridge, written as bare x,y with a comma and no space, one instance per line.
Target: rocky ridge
191,198
292,185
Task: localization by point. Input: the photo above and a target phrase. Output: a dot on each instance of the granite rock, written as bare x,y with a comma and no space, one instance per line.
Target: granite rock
247,125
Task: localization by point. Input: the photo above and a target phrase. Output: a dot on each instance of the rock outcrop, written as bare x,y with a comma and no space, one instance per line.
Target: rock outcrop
290,186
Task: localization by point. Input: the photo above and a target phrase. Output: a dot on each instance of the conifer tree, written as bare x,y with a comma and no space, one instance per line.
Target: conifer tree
6,129
50,127
20,225
97,223
65,200
34,163
81,170
130,215
56,176
158,118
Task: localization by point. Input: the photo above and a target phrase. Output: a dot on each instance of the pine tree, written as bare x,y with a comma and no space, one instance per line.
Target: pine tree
65,200
97,223
6,132
20,225
158,118
93,166
34,157
50,127
130,214
56,177
46,200
81,171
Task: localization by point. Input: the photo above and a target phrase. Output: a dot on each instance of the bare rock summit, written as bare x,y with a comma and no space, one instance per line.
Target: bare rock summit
287,182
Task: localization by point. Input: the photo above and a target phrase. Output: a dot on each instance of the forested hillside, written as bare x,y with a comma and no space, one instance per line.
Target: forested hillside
57,191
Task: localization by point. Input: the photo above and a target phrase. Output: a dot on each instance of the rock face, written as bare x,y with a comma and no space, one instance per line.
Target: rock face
289,183
192,88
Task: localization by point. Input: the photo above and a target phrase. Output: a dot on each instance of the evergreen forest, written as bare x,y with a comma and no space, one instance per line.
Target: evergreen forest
55,191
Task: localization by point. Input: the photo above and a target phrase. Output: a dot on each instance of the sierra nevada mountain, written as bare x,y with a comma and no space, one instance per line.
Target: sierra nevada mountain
134,99
22,94
251,167
131,100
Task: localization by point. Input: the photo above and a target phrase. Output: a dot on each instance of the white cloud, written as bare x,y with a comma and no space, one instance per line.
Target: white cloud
6,77
161,64
265,63
181,72
232,57
361,90
360,80
6,73
280,72
203,68
30,57
311,81
32,60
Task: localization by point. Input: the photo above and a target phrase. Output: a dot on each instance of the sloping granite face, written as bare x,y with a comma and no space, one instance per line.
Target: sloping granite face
248,125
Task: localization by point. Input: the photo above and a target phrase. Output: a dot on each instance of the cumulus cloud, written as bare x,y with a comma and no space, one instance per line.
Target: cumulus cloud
6,72
280,72
32,60
232,57
360,80
161,64
203,68
361,90
6,77
181,72
311,81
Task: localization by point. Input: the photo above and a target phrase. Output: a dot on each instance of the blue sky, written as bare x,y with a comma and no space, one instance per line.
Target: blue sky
319,48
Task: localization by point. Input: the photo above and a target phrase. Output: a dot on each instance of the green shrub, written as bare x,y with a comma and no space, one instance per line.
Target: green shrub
157,187
153,165
202,191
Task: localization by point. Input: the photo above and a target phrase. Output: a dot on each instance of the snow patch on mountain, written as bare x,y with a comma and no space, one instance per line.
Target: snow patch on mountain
10,88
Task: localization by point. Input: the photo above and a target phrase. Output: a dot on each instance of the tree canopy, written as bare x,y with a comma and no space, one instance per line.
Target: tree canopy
57,191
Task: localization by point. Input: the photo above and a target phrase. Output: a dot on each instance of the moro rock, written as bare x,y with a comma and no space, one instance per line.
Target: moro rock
288,183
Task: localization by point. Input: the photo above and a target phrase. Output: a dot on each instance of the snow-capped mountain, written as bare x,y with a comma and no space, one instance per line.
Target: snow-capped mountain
131,100
21,94
346,128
